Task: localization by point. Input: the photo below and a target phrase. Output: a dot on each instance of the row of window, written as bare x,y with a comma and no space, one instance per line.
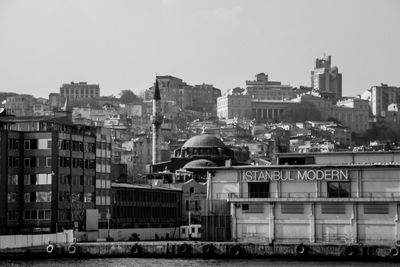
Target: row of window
77,163
41,196
37,214
13,162
146,196
37,179
328,208
80,91
104,146
13,197
103,161
79,197
37,144
77,179
334,189
30,143
76,146
145,212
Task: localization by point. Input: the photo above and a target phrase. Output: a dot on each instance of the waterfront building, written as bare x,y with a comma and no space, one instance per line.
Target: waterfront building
194,196
266,209
48,172
103,174
320,203
326,79
54,171
79,90
144,206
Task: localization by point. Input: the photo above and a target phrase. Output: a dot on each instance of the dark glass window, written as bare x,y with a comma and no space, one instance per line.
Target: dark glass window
258,190
338,189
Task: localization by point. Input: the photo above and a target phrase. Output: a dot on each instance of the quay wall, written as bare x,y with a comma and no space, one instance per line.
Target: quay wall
235,250
20,241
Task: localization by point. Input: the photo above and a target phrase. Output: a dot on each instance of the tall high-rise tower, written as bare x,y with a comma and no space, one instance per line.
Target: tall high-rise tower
156,120
326,79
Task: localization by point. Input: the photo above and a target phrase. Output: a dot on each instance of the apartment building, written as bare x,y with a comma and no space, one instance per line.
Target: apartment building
48,167
381,97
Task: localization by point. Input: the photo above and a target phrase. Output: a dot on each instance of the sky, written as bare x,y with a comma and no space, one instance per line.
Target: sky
123,44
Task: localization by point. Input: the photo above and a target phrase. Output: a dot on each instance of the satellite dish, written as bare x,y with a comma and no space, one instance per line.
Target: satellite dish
2,110
3,102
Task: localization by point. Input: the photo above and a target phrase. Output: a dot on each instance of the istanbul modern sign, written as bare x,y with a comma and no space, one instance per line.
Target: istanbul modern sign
295,175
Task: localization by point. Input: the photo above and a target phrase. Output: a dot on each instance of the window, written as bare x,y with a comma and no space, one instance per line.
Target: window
27,144
13,162
48,161
88,197
333,208
37,214
31,144
338,189
44,143
12,179
13,143
382,208
12,215
43,196
12,197
252,208
294,208
258,190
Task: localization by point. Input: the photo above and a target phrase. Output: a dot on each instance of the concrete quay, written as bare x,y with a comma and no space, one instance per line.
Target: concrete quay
199,249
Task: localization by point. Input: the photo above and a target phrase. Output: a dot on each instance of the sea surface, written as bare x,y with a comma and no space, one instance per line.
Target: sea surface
110,262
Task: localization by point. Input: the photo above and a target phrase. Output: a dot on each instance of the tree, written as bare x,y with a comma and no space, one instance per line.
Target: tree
127,96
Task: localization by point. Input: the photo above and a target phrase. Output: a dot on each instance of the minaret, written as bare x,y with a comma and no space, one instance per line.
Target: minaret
156,120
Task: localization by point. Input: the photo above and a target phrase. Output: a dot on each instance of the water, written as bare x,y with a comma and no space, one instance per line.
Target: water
125,262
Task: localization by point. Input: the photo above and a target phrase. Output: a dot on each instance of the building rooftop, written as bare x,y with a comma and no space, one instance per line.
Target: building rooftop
204,140
200,163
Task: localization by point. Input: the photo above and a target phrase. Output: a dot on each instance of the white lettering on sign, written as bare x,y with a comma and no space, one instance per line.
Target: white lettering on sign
298,175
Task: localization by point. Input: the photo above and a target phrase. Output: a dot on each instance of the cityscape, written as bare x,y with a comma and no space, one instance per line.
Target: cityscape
190,169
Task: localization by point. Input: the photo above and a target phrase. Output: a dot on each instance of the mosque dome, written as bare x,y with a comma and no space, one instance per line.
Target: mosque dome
204,141
200,163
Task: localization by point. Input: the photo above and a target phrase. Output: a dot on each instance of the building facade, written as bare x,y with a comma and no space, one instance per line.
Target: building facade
143,206
54,171
381,97
346,204
326,79
234,104
50,176
103,174
79,90
262,88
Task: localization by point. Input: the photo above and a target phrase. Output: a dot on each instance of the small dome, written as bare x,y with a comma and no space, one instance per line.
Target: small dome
200,163
204,140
